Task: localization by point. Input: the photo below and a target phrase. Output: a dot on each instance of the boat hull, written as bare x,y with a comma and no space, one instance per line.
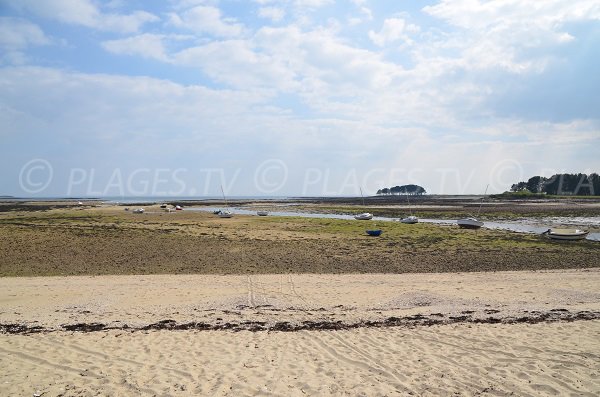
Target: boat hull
374,233
364,217
411,220
567,235
262,213
469,223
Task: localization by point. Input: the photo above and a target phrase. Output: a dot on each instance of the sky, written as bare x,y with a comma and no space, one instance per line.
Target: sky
294,97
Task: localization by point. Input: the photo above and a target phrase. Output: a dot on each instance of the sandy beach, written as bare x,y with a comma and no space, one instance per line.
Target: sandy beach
490,334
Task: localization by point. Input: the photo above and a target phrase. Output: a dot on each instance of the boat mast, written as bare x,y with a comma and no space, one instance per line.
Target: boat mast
480,204
409,207
361,195
223,192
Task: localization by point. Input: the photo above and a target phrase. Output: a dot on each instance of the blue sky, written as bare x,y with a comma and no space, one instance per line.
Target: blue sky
294,97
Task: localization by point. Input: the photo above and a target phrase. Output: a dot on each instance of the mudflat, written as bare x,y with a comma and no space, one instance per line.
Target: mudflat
108,240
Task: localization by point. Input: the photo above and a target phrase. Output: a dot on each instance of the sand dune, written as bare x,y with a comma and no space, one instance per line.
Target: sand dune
527,360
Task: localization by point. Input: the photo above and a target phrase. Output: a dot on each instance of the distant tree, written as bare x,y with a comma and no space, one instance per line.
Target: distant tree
395,190
561,184
385,190
519,187
535,184
379,192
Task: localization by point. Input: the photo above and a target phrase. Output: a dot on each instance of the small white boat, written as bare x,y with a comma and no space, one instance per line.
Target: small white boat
365,216
225,214
178,208
138,211
469,223
410,220
262,213
163,206
566,234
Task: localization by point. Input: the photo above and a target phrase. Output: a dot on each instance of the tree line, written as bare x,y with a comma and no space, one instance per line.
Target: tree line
561,184
404,189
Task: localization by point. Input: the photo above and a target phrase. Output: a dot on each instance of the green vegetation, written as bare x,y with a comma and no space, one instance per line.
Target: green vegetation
404,189
560,185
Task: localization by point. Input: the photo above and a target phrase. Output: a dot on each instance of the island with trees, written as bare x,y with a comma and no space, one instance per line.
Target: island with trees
404,189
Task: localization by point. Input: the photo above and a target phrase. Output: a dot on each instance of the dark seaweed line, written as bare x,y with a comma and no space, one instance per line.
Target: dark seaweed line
554,315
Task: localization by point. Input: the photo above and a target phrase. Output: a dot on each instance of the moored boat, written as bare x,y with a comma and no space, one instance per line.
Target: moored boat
469,223
262,213
375,233
472,222
410,220
225,214
365,216
566,234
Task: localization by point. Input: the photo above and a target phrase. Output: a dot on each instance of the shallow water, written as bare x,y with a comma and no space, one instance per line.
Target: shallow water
526,225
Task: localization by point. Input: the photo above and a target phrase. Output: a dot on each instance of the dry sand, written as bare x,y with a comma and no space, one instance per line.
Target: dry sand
457,356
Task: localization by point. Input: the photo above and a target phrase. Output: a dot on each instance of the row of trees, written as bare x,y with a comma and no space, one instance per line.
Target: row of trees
561,184
404,189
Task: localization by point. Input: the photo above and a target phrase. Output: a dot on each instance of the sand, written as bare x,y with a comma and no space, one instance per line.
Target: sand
524,360
459,355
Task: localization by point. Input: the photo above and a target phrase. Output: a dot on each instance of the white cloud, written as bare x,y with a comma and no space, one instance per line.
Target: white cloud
273,13
311,4
85,13
207,19
502,34
17,33
133,121
16,36
145,45
393,29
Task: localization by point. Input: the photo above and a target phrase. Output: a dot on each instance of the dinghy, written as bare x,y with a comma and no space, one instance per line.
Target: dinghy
375,233
566,234
262,213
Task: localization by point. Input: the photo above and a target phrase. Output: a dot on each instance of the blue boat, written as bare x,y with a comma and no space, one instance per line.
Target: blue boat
374,232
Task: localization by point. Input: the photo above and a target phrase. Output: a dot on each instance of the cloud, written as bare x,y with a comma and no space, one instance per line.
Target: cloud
510,35
18,33
146,45
393,29
206,19
85,13
141,122
275,14
16,36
